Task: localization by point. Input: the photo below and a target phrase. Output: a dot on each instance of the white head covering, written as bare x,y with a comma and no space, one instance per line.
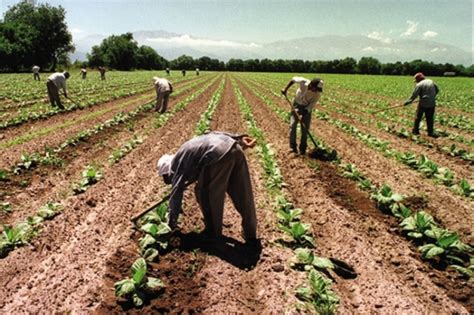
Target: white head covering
164,164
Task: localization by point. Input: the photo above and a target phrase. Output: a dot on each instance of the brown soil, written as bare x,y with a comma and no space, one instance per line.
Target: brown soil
392,276
53,183
452,210
72,265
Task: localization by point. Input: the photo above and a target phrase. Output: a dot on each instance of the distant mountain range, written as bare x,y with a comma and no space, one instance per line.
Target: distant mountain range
329,47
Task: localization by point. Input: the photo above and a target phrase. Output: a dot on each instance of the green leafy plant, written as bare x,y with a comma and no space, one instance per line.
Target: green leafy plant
49,210
467,271
464,188
137,287
3,175
5,207
318,295
157,237
447,245
305,258
90,176
416,225
300,233
386,199
445,176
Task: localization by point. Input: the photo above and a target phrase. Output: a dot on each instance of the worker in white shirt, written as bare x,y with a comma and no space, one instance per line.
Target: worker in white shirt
308,93
163,89
56,82
36,75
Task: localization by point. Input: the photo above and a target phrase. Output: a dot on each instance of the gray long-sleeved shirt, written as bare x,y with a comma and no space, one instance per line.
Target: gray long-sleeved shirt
190,159
427,91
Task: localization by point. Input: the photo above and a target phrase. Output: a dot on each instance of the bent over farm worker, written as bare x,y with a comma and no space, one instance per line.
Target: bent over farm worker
36,75
56,82
163,89
307,94
217,162
427,90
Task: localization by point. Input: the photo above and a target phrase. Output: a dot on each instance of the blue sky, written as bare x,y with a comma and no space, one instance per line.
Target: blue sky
446,21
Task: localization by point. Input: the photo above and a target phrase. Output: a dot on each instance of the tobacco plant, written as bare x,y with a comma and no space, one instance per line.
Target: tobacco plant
90,176
137,287
418,224
318,296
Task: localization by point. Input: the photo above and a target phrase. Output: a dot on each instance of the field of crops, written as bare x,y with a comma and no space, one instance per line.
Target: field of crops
396,207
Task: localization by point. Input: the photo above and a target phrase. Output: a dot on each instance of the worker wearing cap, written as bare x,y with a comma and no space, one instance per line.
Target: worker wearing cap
217,162
56,82
36,75
163,89
307,94
427,91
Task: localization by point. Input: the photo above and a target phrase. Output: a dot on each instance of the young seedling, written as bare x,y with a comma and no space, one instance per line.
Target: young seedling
417,224
447,245
300,233
318,295
90,176
136,287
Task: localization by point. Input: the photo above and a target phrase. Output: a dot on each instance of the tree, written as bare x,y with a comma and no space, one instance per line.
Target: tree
369,65
235,65
118,52
183,62
41,35
147,58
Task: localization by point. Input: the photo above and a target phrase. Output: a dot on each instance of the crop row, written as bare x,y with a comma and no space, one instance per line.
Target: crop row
318,295
87,101
25,231
157,235
423,164
435,243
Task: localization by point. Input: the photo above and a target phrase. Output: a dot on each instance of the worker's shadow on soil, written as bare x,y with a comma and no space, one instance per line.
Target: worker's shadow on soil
242,255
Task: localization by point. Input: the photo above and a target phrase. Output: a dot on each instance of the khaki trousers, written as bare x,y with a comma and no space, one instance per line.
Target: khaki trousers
230,175
162,101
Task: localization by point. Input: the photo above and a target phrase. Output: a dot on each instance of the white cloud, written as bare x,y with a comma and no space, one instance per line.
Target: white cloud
186,40
412,25
76,31
369,48
380,37
438,49
429,34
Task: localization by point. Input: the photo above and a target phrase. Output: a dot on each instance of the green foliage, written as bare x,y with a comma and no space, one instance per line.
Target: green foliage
90,176
300,233
305,258
464,188
417,224
5,207
33,30
386,199
318,295
136,287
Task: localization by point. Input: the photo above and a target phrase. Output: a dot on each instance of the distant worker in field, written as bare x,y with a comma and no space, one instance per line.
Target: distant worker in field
217,162
36,75
427,90
102,73
163,89
56,82
83,73
197,71
183,72
307,94
167,71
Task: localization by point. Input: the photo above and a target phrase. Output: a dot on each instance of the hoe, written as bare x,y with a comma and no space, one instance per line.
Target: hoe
141,214
317,153
385,109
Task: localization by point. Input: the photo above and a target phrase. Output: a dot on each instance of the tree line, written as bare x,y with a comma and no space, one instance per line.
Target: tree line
37,34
